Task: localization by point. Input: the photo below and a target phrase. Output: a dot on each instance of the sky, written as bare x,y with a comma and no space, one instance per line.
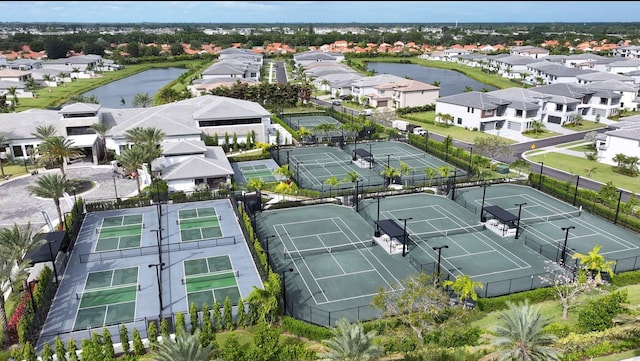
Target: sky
317,12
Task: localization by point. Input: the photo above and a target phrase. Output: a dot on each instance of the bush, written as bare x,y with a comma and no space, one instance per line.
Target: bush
598,314
303,329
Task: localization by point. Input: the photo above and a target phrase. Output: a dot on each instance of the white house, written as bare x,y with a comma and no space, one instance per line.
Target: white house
405,93
623,138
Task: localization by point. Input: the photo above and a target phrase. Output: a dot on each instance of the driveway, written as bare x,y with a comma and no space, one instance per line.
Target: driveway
19,206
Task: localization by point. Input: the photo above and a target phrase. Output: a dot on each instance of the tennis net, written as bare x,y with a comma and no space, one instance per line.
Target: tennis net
118,230
552,217
450,232
107,293
316,164
301,253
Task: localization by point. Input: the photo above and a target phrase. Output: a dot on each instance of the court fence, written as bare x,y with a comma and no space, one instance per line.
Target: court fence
328,318
551,251
151,250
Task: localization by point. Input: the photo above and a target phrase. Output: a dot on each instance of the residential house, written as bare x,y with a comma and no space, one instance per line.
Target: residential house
514,66
622,138
188,165
403,94
623,66
362,89
474,110
548,73
592,103
630,51
529,51
310,57
628,91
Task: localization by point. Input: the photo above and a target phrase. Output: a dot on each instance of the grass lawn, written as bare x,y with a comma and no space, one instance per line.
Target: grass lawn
541,135
578,165
585,125
15,170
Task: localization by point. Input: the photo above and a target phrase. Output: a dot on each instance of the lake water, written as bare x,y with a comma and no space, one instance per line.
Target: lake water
451,82
149,81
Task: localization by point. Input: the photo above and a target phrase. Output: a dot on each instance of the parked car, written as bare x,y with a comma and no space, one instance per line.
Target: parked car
336,102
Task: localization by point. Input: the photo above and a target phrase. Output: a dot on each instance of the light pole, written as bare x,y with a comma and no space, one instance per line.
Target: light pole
389,160
575,192
370,157
298,172
615,221
404,235
540,176
377,232
439,249
158,233
266,244
284,291
158,267
53,260
564,247
470,159
115,190
426,141
519,213
484,191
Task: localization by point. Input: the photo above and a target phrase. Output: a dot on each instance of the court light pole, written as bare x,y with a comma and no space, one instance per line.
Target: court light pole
439,249
519,213
370,157
53,260
115,189
158,267
266,244
470,159
575,192
377,232
484,191
284,291
426,141
389,160
564,247
404,235
158,233
615,221
540,176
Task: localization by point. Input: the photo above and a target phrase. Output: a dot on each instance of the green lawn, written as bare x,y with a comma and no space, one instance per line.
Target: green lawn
585,125
578,165
541,135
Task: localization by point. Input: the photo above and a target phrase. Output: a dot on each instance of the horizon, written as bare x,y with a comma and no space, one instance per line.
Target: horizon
318,12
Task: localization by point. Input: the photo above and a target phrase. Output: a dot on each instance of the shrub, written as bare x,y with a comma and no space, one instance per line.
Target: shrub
124,339
303,329
153,336
138,346
598,314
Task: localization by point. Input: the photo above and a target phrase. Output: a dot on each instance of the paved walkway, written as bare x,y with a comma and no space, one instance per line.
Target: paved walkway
20,206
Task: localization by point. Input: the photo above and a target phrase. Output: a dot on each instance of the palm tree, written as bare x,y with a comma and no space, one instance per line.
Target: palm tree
58,149
102,129
619,159
185,347
350,342
332,182
255,184
266,300
18,241
133,159
52,186
44,131
390,173
141,100
431,173
149,138
464,287
9,275
521,337
13,91
595,262
304,133
283,171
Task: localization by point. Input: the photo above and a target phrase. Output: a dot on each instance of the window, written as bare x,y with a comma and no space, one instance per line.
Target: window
17,151
470,110
518,113
559,107
604,101
459,121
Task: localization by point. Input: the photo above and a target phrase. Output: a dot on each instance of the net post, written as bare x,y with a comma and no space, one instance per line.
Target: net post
182,280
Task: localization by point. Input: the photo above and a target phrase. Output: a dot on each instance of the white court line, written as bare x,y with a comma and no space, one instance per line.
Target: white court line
295,264
344,274
610,236
332,256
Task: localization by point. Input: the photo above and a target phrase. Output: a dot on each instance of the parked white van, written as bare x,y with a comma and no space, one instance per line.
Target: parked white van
366,112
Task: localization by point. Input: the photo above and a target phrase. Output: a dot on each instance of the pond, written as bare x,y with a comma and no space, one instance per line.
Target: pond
451,82
114,94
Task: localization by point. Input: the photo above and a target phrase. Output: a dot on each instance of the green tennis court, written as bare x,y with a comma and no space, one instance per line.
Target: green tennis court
119,233
310,121
198,224
257,171
210,279
109,297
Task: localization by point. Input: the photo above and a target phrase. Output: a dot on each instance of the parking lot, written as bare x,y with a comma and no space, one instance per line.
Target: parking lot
19,206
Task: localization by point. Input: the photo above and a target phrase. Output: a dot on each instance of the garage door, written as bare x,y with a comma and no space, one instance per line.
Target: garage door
554,119
514,126
487,126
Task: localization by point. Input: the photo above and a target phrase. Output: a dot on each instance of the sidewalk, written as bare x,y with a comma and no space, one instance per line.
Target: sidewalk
557,149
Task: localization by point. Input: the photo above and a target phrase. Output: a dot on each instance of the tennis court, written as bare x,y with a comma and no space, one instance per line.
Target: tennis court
119,232
257,171
419,162
439,229
312,166
312,121
337,267
210,279
109,297
198,223
543,220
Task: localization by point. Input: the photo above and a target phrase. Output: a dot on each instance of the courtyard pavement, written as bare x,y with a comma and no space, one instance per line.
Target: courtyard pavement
19,206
